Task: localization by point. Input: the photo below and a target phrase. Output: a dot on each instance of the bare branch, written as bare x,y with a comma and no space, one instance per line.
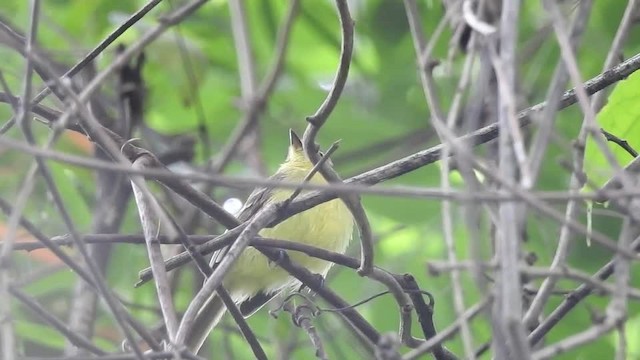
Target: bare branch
256,106
302,316
317,120
446,333
150,218
77,340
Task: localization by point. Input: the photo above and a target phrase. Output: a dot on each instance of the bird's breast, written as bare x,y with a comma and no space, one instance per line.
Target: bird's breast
328,226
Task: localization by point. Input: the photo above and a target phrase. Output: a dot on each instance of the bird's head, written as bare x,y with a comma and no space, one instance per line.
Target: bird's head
297,160
296,157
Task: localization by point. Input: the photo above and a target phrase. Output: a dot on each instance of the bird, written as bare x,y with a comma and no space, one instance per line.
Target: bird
254,280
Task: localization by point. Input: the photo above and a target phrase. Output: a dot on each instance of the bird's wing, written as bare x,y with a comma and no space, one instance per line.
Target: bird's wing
256,200
255,303
254,203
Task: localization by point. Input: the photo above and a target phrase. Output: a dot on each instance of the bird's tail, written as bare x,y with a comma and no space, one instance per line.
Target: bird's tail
207,319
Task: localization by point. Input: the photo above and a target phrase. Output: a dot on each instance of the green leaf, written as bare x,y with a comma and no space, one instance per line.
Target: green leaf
620,118
632,333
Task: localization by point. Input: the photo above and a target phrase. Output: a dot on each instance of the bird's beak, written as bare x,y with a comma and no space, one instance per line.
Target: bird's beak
294,140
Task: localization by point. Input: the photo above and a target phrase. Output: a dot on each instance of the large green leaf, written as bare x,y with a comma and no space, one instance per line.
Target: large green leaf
620,118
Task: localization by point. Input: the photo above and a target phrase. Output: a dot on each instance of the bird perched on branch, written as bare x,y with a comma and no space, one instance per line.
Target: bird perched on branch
253,280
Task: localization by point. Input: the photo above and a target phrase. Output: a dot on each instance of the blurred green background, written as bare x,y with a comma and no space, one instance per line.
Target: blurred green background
383,101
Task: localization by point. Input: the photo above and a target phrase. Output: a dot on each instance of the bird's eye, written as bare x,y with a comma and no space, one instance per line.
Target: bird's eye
321,153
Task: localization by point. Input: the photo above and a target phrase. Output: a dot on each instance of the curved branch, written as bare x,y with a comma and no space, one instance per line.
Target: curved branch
317,120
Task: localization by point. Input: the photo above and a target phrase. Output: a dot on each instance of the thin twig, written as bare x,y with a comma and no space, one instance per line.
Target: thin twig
312,172
258,105
95,52
242,40
7,335
382,173
318,119
65,240
164,24
357,184
405,306
192,90
112,193
556,88
425,315
257,223
561,273
447,333
150,219
568,343
447,216
624,144
508,332
613,56
425,67
152,355
590,126
575,183
73,265
246,331
120,314
573,299
302,316
317,285
46,315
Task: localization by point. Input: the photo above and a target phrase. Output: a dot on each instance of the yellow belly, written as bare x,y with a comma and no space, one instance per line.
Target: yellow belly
328,226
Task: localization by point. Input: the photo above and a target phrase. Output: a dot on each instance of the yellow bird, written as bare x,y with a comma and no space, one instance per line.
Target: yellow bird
254,280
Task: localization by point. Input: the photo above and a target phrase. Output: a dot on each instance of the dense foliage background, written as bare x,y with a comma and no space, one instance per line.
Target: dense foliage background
203,79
